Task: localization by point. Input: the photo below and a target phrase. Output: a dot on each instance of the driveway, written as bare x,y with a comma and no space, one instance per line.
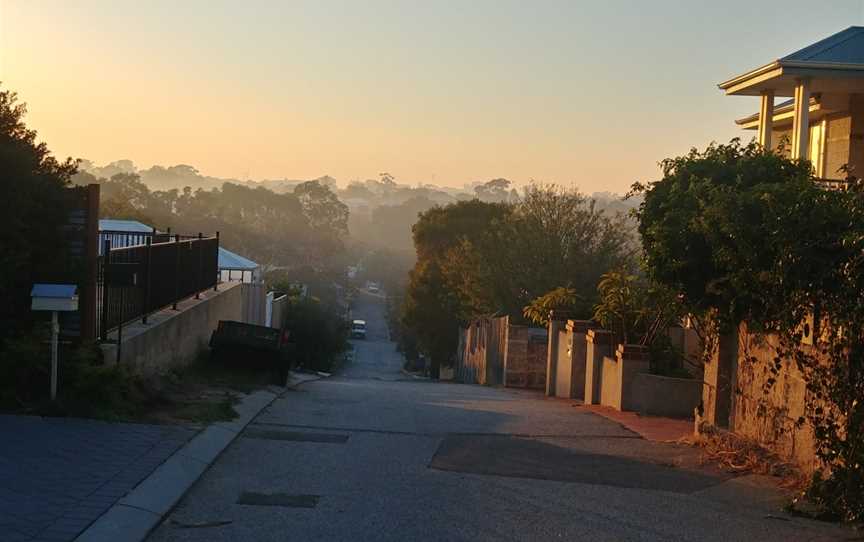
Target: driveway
373,454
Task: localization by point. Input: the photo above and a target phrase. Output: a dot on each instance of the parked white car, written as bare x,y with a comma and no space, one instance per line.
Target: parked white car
358,329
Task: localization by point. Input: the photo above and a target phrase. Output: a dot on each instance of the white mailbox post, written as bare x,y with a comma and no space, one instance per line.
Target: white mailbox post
54,298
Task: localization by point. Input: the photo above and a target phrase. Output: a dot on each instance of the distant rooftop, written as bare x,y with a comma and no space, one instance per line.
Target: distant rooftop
230,261
111,224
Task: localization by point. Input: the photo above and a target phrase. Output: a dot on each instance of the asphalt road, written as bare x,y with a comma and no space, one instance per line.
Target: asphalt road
373,454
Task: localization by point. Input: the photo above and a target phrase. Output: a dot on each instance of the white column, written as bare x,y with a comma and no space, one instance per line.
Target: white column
766,119
801,120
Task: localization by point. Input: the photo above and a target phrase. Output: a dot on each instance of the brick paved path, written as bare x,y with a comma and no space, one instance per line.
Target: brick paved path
58,475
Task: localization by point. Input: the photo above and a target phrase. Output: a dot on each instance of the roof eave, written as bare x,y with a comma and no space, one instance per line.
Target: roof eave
749,76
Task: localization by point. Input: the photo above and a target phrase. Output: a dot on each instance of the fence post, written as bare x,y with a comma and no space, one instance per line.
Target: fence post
198,277
103,318
218,273
147,266
176,270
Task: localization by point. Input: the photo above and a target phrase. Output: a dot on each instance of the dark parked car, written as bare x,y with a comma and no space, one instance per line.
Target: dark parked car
253,346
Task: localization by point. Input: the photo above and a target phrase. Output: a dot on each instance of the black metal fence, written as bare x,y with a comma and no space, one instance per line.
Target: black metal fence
121,239
136,281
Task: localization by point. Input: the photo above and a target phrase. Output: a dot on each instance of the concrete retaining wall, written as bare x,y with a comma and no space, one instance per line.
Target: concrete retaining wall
172,339
664,396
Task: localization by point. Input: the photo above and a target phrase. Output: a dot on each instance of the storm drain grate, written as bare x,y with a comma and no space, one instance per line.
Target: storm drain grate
296,436
278,499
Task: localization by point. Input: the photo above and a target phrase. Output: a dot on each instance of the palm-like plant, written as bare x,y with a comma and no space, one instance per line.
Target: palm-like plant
559,299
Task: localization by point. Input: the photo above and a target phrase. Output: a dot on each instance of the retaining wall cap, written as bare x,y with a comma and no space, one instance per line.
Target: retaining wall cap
599,336
580,326
632,351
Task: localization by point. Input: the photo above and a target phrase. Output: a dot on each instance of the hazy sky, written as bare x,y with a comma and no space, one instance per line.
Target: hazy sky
591,92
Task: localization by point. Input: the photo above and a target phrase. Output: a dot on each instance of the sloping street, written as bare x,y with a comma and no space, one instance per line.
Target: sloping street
374,454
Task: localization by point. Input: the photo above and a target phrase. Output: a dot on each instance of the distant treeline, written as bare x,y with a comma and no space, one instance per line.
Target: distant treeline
306,227
381,212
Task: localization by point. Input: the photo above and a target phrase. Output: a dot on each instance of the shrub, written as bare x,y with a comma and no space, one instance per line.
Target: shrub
319,333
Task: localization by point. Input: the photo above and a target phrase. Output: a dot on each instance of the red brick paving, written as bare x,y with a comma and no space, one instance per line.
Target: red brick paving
649,427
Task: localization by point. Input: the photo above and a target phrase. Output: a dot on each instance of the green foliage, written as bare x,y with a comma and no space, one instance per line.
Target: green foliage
623,305
707,227
476,258
389,267
308,226
32,212
86,387
429,312
319,333
748,235
559,299
639,311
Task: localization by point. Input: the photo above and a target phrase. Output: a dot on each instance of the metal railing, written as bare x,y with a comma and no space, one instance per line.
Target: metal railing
136,281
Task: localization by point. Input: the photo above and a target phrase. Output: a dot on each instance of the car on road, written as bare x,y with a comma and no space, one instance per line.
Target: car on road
373,287
358,329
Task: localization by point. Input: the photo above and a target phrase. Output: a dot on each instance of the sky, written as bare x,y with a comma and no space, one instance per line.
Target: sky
433,91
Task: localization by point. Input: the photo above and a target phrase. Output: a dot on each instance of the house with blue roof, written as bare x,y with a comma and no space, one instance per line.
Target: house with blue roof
123,233
822,117
236,268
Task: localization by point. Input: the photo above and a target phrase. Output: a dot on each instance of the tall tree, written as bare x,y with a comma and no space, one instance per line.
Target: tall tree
32,212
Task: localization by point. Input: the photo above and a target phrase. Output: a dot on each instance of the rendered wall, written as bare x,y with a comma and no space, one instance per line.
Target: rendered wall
598,345
563,365
610,383
172,339
663,396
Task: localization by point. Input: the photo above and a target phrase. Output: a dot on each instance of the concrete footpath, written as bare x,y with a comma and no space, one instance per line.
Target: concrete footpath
133,517
62,478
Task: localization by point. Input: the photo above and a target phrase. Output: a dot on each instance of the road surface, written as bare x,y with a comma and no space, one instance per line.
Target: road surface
373,454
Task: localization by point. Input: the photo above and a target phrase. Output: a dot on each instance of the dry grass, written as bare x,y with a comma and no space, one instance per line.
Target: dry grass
739,455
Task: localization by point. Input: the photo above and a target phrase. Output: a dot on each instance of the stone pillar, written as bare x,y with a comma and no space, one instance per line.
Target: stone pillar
717,393
853,147
632,360
766,119
598,344
555,326
575,377
801,120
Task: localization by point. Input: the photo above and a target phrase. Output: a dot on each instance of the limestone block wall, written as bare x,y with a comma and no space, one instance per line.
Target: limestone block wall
768,414
525,358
